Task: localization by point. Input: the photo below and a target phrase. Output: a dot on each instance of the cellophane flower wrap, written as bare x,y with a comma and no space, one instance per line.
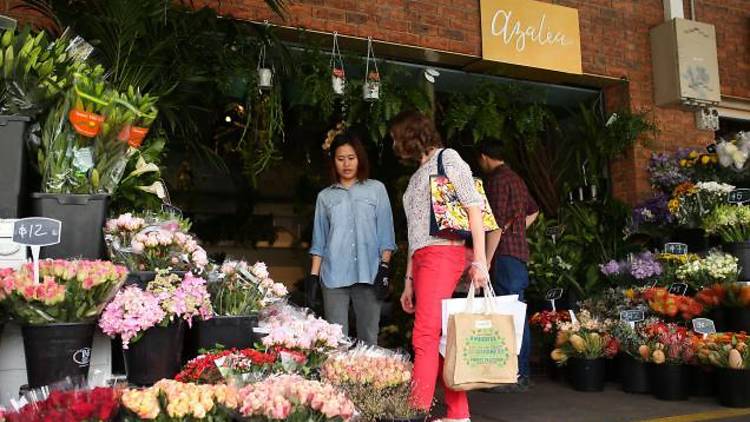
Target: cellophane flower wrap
666,304
153,242
377,380
98,404
586,338
239,289
725,350
667,343
167,299
68,291
228,366
174,401
293,398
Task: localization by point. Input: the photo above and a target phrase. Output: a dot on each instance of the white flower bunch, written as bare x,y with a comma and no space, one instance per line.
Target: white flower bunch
717,266
736,152
715,187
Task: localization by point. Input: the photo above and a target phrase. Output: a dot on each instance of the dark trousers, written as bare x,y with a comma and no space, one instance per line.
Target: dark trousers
510,277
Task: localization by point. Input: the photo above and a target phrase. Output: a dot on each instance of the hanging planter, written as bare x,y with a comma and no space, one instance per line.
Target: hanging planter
265,73
371,88
85,123
338,75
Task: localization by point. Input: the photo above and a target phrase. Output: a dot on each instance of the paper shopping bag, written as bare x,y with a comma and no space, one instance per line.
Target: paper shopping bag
480,350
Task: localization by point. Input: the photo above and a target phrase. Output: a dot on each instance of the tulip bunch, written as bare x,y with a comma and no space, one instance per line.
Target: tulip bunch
68,291
726,350
712,296
170,400
291,397
666,304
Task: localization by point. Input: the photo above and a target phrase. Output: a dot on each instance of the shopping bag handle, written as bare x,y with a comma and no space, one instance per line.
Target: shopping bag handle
489,299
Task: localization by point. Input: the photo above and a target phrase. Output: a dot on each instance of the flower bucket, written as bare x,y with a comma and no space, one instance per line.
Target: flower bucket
227,331
702,381
85,123
13,165
156,355
56,351
741,250
734,387
738,319
265,78
669,382
719,316
613,369
587,375
634,375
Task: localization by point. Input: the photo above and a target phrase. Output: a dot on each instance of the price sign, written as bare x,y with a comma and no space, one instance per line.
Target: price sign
704,326
676,248
739,196
37,231
553,295
678,289
632,315
711,149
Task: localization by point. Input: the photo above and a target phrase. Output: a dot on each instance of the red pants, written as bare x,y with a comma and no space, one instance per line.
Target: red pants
436,271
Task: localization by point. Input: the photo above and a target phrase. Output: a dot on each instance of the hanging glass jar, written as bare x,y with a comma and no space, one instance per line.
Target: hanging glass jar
338,75
371,87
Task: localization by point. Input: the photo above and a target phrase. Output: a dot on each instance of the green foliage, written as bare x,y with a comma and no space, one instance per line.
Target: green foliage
142,171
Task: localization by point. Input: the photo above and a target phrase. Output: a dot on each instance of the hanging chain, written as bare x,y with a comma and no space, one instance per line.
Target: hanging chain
370,57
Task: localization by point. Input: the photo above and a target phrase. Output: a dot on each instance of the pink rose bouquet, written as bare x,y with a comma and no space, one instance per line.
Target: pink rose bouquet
170,400
291,397
366,365
165,300
68,291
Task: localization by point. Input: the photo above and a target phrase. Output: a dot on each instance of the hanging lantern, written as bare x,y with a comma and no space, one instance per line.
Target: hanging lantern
265,74
371,88
338,75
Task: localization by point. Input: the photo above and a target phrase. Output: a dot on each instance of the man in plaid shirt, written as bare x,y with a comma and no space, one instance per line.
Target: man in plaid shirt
507,249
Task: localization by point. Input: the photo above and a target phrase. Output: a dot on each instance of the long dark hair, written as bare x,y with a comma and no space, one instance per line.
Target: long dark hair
363,163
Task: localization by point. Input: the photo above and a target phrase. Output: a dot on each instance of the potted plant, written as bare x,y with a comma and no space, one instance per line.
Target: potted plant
238,292
291,397
152,242
170,400
58,314
730,354
151,324
377,381
669,348
583,346
732,224
633,365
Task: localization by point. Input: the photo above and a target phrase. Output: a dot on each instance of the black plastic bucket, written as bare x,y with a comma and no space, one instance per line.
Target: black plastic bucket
734,387
669,382
634,375
225,331
13,165
587,375
702,381
738,319
157,355
741,250
83,218
56,351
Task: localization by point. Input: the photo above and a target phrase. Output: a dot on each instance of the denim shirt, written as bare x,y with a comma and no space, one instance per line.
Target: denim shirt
352,229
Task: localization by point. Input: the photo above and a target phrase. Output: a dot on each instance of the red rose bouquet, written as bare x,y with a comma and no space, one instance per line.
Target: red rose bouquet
97,405
214,368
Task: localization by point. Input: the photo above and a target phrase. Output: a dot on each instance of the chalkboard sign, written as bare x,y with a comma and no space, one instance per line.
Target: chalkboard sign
703,326
554,231
554,294
739,196
678,289
711,149
676,248
37,231
171,209
632,315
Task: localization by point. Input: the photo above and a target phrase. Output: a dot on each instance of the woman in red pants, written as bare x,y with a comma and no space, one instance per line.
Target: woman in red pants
434,264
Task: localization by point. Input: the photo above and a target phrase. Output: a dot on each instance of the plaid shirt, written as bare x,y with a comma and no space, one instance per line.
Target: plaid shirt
511,203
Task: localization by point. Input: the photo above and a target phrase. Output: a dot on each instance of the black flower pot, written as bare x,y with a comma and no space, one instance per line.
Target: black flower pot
734,387
741,250
82,218
702,381
56,351
669,382
613,369
13,164
738,319
719,316
225,331
156,355
634,375
587,375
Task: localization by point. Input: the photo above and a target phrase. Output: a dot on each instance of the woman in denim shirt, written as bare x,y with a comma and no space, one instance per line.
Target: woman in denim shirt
353,240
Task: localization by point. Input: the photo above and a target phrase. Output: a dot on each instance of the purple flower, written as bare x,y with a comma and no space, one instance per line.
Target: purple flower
652,211
610,268
665,171
645,266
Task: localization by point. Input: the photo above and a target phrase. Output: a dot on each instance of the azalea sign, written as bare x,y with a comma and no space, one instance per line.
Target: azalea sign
531,33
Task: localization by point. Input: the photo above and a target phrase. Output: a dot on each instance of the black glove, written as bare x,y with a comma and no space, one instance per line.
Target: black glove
382,281
312,286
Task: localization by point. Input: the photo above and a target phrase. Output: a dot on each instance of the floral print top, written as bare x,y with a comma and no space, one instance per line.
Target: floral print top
417,196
